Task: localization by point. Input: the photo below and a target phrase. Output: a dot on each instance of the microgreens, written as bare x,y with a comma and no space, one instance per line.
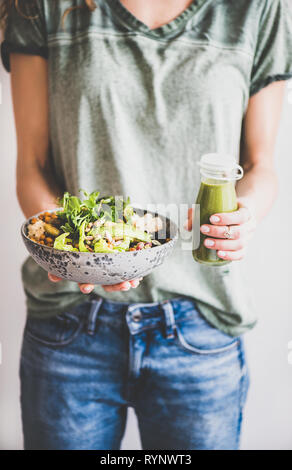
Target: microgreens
91,208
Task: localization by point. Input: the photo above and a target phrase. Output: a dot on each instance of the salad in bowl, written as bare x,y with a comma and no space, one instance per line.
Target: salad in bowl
99,240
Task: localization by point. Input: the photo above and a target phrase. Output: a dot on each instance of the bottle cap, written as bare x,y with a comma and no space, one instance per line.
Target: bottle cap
220,166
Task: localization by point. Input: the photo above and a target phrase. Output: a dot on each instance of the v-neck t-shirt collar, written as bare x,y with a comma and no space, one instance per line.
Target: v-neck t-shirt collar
121,14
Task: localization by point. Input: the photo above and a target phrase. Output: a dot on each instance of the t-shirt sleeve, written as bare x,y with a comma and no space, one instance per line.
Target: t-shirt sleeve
273,52
25,31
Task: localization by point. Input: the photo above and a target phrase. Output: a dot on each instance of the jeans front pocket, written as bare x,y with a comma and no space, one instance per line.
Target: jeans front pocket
59,330
193,349
194,334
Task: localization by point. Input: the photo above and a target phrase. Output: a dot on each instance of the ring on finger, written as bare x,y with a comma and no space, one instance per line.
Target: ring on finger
228,232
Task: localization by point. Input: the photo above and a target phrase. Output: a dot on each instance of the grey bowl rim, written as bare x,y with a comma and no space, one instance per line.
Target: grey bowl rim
24,224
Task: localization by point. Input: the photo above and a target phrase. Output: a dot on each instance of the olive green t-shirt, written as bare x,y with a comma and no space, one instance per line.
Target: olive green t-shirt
131,112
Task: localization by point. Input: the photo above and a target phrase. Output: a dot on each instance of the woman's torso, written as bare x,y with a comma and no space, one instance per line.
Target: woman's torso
133,109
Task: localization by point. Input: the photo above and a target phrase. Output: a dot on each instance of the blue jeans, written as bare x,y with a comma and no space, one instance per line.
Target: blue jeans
80,370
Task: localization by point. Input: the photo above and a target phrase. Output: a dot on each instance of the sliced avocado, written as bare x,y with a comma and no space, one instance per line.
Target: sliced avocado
121,230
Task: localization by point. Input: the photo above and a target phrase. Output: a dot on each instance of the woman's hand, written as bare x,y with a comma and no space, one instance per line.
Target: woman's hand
228,233
87,288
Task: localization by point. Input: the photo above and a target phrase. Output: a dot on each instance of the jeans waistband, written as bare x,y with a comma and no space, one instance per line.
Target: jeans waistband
139,316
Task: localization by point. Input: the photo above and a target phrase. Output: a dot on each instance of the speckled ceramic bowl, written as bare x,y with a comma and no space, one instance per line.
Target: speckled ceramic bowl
101,268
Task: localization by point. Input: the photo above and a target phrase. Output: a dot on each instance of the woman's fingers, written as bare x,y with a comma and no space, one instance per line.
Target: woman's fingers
232,255
228,233
86,288
224,245
54,278
123,286
236,231
135,283
241,216
189,223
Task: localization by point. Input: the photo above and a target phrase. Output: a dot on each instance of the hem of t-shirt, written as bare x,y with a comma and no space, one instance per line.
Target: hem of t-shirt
7,48
212,316
260,84
35,308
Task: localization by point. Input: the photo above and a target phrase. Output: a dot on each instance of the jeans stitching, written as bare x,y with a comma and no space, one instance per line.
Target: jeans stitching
61,343
169,319
188,347
243,388
92,316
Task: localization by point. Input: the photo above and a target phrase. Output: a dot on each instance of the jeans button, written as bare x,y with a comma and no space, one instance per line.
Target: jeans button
137,316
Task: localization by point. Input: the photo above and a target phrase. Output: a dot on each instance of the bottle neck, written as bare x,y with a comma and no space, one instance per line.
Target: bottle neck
215,181
220,176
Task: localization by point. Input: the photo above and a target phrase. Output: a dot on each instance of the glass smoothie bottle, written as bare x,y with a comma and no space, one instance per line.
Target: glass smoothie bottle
217,194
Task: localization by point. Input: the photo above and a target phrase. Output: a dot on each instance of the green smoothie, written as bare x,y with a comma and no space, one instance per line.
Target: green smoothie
214,197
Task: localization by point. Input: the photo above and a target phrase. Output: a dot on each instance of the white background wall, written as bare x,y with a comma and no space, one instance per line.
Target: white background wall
268,418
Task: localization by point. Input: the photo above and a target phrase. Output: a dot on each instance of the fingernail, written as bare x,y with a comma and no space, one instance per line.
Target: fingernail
215,219
209,243
127,286
86,289
205,228
222,253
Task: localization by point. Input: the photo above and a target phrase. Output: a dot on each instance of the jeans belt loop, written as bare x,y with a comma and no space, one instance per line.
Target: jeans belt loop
169,319
94,309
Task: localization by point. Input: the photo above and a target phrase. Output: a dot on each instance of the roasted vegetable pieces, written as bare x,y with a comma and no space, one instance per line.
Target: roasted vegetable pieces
95,224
